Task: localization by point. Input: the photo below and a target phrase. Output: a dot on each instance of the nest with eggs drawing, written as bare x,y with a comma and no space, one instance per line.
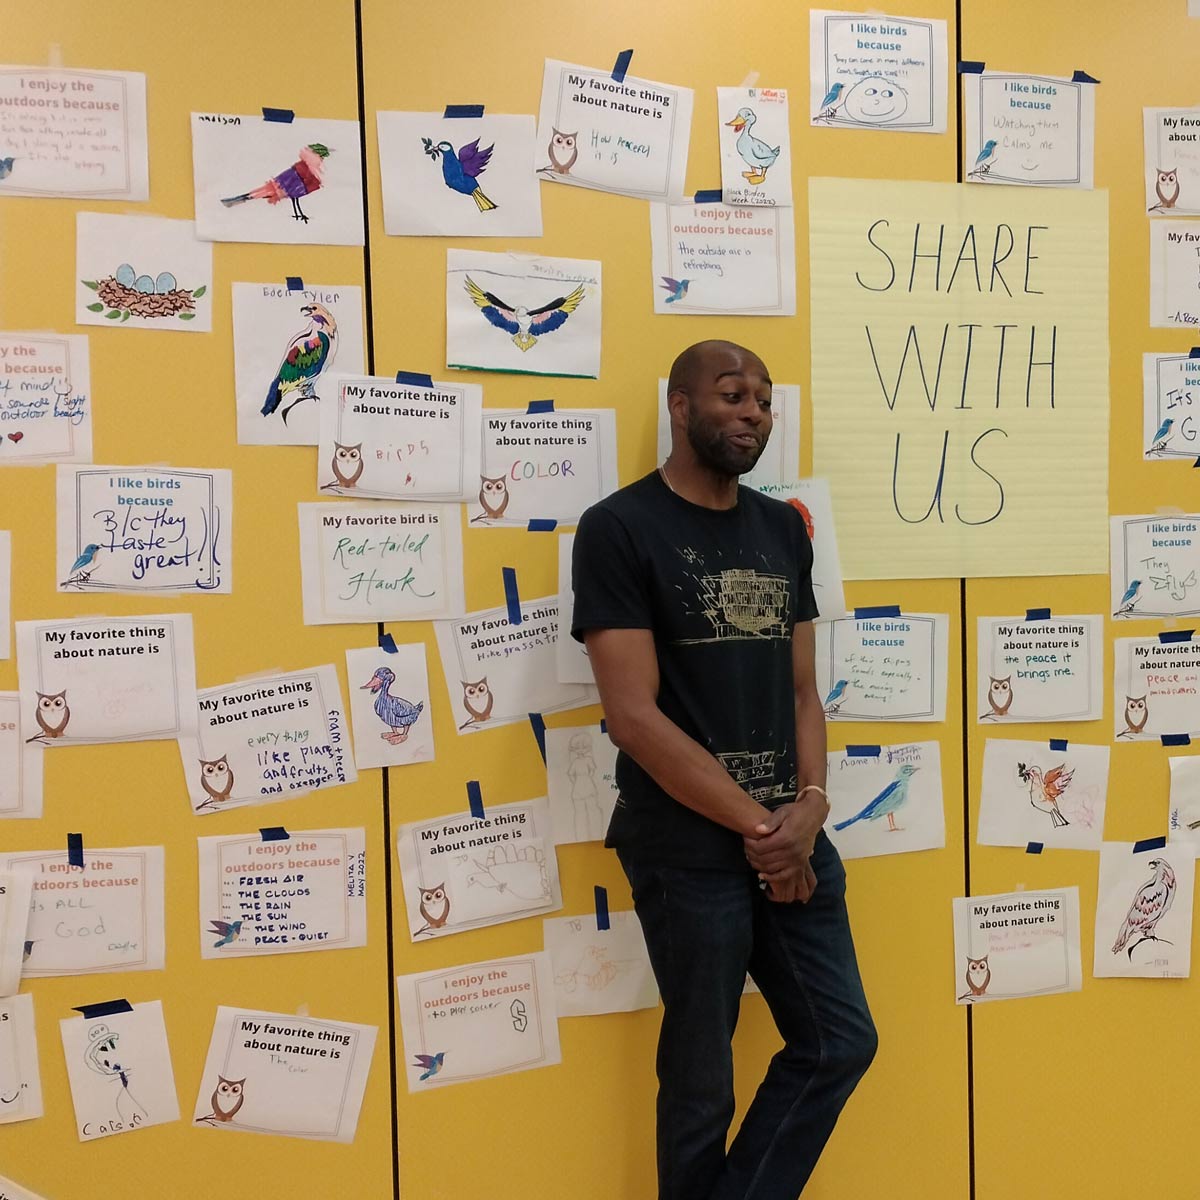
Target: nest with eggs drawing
126,294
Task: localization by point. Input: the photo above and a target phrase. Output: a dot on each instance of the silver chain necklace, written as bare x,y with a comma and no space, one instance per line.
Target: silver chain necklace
662,470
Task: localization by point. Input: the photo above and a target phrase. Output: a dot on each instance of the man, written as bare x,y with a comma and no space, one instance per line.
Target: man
694,598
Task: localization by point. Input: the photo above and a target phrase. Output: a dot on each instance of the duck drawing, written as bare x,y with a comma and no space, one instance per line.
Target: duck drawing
755,153
394,711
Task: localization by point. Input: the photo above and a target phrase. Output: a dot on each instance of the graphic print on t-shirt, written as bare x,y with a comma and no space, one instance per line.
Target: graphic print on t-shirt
742,603
754,772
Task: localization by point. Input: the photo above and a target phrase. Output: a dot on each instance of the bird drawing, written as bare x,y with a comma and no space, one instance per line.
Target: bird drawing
1137,713
836,697
308,356
985,160
1158,443
1129,599
1166,188
754,152
82,568
434,907
226,932
887,803
346,465
978,976
52,714
398,714
301,179
228,1096
1150,905
461,169
518,870
429,1064
563,150
526,325
216,778
678,288
1045,789
477,700
6,166
829,105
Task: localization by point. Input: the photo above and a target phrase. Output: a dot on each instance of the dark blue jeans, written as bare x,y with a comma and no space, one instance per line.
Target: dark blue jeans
705,929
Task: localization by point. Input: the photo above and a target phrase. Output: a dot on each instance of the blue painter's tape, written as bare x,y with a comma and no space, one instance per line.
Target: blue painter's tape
1083,77
1194,352
512,598
1033,847
75,849
707,196
463,110
603,726
109,1008
1175,635
387,643
862,751
274,833
413,379
1196,464
1155,843
284,115
475,800
602,921
538,724
542,525
621,66
881,610
1175,739
970,67
1058,745
295,283
539,406
1037,614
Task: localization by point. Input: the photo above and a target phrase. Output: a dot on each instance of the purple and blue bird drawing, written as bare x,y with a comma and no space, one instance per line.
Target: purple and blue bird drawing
226,932
461,170
1158,443
887,803
677,287
430,1064
398,714
836,697
1129,599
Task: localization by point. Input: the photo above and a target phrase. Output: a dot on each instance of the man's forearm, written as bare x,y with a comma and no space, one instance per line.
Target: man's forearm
811,763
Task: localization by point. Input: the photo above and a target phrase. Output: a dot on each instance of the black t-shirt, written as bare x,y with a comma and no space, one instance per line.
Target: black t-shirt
721,590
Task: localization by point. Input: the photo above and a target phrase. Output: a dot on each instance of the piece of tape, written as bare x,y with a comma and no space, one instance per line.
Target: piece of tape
387,644
970,67
283,115
538,724
75,849
414,379
1175,739
539,406
295,283
274,833
109,1008
862,751
512,597
1175,635
603,726
621,66
1083,77
1033,847
475,800
880,610
750,80
602,921
707,196
1154,843
542,525
1037,614
1058,745
463,110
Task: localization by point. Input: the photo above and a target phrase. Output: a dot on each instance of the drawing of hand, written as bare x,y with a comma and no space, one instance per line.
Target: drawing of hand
519,869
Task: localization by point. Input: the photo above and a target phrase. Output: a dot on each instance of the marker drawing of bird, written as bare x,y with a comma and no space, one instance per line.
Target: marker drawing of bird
887,803
301,179
82,568
398,714
754,152
836,697
1150,905
985,160
461,169
1158,443
226,932
430,1064
526,325
830,103
678,288
308,355
1129,599
1045,789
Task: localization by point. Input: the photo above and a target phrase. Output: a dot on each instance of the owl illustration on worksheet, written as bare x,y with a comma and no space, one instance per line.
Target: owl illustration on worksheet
978,976
493,497
434,908
477,700
1137,713
1000,698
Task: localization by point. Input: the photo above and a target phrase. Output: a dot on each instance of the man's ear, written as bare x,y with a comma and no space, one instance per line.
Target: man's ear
677,402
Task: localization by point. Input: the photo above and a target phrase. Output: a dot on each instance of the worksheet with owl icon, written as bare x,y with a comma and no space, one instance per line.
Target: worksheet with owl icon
1156,687
21,783
1172,161
20,1080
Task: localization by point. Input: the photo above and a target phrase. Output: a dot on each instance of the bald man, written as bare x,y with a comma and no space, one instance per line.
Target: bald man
694,598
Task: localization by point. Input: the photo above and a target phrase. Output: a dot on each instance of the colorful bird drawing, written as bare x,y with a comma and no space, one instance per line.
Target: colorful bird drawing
398,714
754,152
430,1064
6,166
1129,599
226,932
984,160
1159,442
461,170
526,325
836,697
82,568
1149,906
301,179
1045,789
830,103
887,803
678,288
307,357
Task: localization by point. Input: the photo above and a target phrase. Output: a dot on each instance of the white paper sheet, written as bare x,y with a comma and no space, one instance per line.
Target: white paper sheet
886,803
1184,819
13,1191
1154,566
20,789
522,314
581,764
599,970
107,679
1039,671
288,349
297,181
135,272
1144,913
571,661
459,176
20,1080
1032,792
629,137
1029,130
478,1020
1170,397
119,1067
544,465
756,150
497,672
875,71
45,399
390,707
5,594
276,1073
267,738
304,892
1016,945
166,530
73,133
16,892
462,873
723,259
884,668
1174,274
380,562
104,916
1156,689
1172,161
398,441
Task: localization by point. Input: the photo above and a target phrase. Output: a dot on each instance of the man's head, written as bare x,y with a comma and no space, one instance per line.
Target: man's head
719,398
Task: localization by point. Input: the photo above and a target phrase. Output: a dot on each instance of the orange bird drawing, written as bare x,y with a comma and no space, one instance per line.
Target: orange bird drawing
1044,790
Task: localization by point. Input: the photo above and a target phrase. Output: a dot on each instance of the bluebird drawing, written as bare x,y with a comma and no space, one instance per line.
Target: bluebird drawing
226,932
830,103
1159,442
81,570
430,1064
984,160
6,166
677,287
1150,905
460,171
398,714
1129,599
836,697
887,803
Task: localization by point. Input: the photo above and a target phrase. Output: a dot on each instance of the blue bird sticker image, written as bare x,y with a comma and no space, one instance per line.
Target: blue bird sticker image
398,714
1158,443
887,803
429,1064
829,105
985,160
227,932
83,567
836,697
461,169
6,166
678,288
1129,600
